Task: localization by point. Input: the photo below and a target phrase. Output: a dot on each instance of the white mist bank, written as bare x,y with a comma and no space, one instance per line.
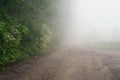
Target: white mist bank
91,21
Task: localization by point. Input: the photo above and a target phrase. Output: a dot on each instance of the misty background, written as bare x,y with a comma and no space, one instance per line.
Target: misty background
32,27
89,21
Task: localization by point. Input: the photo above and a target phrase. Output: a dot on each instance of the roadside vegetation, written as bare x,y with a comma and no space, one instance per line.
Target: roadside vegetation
25,29
111,46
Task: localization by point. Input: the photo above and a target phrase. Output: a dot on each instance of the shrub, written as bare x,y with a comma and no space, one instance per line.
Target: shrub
11,34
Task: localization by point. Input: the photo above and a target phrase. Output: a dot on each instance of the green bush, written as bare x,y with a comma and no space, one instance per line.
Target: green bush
23,29
40,38
11,34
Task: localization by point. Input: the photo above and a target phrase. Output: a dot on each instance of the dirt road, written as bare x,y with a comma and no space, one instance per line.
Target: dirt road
70,64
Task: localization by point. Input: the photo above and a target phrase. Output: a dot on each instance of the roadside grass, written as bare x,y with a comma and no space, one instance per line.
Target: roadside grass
115,46
16,65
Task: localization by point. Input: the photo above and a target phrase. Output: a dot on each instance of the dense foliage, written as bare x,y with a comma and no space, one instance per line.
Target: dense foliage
24,28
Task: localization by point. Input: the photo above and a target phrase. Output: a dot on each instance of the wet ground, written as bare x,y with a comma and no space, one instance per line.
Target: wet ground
70,64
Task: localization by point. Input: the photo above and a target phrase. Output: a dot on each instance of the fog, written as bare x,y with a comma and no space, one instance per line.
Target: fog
90,21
